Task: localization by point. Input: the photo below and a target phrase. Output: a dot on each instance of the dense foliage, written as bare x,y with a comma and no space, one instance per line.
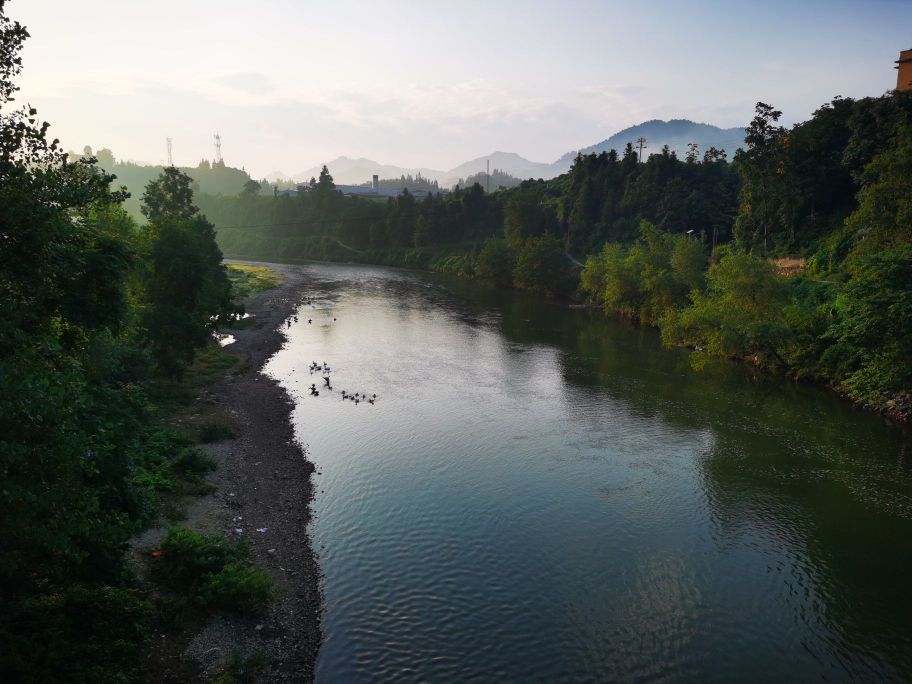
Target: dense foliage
80,337
835,190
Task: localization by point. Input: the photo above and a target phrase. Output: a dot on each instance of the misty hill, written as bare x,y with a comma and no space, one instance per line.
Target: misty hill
508,163
356,171
216,178
499,179
676,133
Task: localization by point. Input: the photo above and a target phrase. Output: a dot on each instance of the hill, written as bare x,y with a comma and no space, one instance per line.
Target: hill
676,133
356,171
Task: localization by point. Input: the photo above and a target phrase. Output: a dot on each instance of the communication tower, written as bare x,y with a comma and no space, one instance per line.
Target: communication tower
168,141
218,148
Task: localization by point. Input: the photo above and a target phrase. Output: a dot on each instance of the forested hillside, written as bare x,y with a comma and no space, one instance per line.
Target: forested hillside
214,178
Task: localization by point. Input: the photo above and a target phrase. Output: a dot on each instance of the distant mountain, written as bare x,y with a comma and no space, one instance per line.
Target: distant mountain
277,176
356,171
507,162
677,134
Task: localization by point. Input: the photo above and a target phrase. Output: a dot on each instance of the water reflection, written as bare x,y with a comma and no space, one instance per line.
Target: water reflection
544,493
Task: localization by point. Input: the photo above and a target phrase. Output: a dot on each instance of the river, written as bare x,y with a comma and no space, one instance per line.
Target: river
546,494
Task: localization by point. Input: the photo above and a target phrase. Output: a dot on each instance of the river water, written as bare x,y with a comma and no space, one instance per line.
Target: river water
546,494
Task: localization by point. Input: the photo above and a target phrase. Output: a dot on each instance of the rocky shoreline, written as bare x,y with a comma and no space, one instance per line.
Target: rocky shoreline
263,480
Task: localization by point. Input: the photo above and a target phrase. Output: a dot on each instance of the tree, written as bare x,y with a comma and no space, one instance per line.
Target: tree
740,314
761,169
170,196
325,184
541,265
64,419
186,283
883,219
872,353
525,215
495,262
422,234
187,287
251,190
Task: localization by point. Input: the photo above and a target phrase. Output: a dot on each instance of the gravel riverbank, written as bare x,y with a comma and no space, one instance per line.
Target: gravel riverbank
263,480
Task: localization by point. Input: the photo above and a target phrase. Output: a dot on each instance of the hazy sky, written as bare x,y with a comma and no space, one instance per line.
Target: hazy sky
292,84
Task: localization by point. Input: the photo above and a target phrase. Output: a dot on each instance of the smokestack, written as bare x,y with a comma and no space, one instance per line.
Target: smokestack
375,184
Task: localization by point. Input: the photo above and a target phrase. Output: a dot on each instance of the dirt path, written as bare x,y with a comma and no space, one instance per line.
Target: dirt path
263,480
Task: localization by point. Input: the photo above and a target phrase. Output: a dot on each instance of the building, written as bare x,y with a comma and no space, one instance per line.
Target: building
904,70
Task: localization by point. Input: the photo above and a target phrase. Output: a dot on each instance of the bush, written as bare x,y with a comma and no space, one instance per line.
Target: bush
211,572
541,265
495,262
239,586
77,634
740,315
168,463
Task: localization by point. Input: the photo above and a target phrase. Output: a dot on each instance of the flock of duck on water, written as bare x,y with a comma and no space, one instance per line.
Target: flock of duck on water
355,397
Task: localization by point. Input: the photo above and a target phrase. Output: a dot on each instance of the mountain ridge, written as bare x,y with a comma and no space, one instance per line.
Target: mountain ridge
676,133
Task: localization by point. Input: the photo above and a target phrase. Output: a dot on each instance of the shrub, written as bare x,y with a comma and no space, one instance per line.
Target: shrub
211,571
239,586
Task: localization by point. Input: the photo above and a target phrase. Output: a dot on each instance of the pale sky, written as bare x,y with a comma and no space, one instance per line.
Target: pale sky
293,84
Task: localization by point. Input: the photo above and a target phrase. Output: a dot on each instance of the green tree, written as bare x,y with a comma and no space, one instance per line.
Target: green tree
67,424
324,184
760,167
186,284
422,233
169,196
883,219
740,314
541,265
872,353
495,262
251,190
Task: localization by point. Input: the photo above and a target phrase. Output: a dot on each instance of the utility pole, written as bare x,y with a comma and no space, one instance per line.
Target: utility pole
168,141
218,148
641,142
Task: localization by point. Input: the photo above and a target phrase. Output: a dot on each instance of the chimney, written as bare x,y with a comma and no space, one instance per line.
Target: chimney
375,184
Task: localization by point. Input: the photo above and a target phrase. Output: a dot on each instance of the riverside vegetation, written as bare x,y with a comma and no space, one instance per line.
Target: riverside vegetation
97,314
688,245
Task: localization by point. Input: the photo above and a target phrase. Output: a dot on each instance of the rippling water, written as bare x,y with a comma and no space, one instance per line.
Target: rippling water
546,494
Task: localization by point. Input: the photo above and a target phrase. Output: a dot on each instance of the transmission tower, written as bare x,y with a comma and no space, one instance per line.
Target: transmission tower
168,141
641,142
488,177
218,148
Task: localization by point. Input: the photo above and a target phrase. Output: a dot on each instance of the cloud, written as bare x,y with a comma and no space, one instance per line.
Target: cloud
247,82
